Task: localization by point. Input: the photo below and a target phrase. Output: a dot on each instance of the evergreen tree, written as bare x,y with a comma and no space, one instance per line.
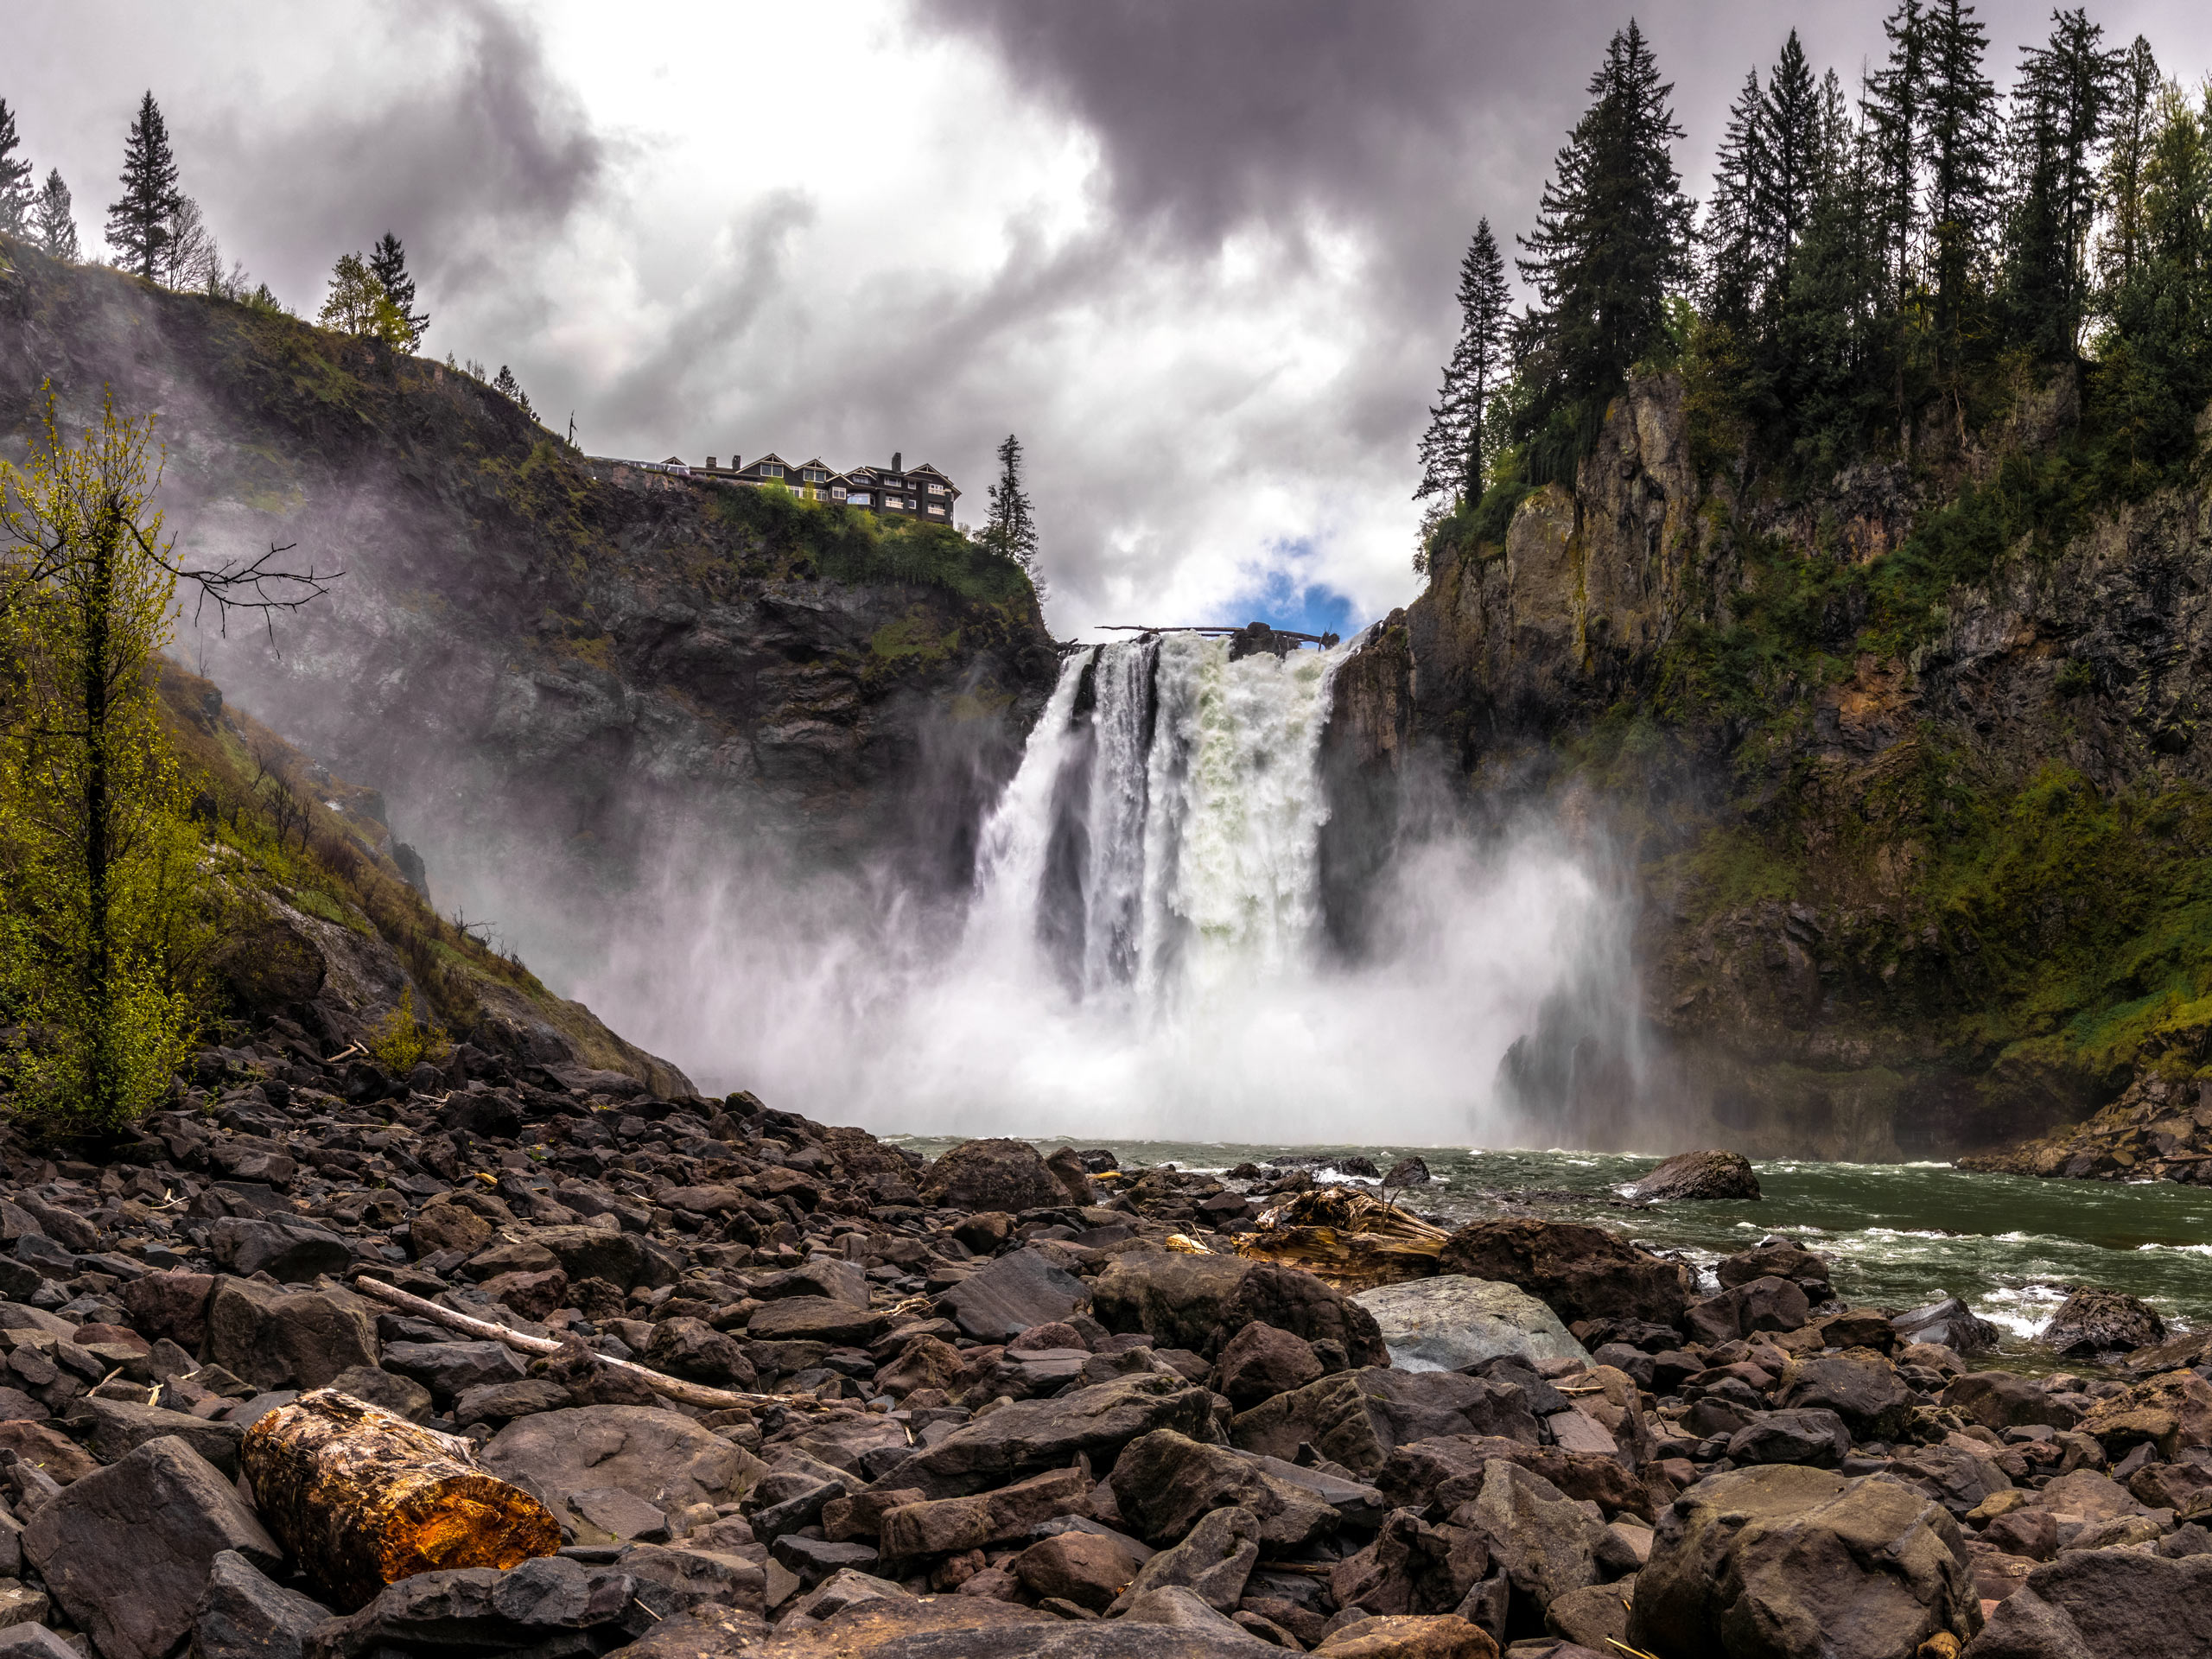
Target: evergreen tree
1011,531
388,261
1733,274
1961,134
138,224
2066,92
1611,239
1893,108
1462,431
2134,111
53,221
1790,115
15,178
510,388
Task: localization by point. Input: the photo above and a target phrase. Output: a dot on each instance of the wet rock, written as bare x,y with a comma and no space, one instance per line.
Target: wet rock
1774,1562
289,1251
1356,1418
242,1615
1034,1434
287,1339
1407,1172
1777,1257
1948,1324
1704,1176
2095,1603
1019,1290
1069,1169
1860,1388
1261,1362
1213,1562
1164,1482
127,1552
1199,1302
1583,1273
1768,1304
2091,1322
1451,1322
993,1174
660,1456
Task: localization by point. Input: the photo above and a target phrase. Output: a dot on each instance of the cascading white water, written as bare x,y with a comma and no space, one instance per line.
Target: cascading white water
1162,835
1143,953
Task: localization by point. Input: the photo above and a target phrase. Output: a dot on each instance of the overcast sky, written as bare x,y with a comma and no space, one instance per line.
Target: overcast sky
1200,254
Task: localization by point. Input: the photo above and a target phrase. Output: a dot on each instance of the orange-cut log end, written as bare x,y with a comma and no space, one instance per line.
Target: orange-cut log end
470,1520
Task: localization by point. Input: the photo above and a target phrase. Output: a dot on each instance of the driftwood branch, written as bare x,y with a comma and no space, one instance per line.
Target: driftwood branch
675,1388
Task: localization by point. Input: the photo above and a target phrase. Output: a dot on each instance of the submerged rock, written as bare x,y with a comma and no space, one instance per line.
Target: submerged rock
1698,1175
1452,1322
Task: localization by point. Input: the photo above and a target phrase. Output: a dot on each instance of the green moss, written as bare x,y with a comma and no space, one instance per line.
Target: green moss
330,909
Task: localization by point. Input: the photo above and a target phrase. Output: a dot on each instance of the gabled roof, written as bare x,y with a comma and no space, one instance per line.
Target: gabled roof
760,461
816,461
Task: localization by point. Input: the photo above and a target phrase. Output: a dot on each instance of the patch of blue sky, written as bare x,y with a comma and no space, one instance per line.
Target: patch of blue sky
1285,598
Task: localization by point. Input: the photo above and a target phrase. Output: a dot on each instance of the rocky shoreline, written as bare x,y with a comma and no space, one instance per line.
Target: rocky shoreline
998,1403
2158,1130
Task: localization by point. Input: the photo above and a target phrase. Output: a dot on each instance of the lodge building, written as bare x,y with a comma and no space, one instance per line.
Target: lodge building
920,491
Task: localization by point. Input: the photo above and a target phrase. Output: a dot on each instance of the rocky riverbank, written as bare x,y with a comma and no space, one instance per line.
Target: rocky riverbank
1016,1405
2158,1130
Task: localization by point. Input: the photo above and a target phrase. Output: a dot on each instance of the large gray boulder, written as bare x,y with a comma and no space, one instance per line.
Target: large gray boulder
1356,1418
243,1615
1213,1562
293,1252
1164,1483
1704,1176
2091,1322
1778,1562
1018,1291
1580,1272
661,1457
1451,1322
126,1552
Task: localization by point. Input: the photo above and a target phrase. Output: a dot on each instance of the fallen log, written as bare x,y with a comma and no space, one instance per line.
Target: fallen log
362,1498
1350,1238
675,1388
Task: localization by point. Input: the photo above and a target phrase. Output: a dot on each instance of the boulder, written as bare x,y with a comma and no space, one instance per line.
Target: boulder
291,1251
660,1456
814,1319
1088,1569
119,1427
1776,1257
994,1174
2001,1400
1213,1562
694,1349
1261,1362
47,1450
1814,1438
547,1605
1444,1470
619,1258
1705,1176
449,1369
1199,1302
2089,1603
1356,1418
1035,1435
1164,1482
950,1526
1411,1567
171,1305
1452,1322
287,1339
1777,1563
1859,1387
242,1615
444,1223
1546,1543
1947,1323
1411,1636
2091,1322
401,1395
1017,1291
127,1552
1582,1272
1768,1304
1073,1175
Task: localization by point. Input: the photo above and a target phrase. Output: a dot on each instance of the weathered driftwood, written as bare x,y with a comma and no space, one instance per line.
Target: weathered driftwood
675,1388
362,1498
1348,1237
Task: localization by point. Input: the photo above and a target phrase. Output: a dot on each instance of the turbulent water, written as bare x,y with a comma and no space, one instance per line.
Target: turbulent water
1899,1235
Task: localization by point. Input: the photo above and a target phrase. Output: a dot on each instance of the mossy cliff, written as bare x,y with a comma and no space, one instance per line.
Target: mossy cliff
1905,770
545,663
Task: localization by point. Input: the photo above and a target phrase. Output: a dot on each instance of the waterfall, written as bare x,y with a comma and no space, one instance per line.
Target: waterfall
1162,835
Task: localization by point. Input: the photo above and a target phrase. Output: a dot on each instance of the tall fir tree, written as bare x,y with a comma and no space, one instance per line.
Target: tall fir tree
1789,119
1893,106
53,220
1733,277
1463,436
1961,148
2063,105
138,224
388,261
2133,118
15,193
1611,240
1011,531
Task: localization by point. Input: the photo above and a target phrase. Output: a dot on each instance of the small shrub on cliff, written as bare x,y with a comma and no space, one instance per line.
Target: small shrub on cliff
402,1042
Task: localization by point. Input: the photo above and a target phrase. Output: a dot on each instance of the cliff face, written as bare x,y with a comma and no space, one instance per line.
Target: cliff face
553,670
1906,775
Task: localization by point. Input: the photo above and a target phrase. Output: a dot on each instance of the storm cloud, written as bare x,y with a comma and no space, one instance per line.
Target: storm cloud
1200,257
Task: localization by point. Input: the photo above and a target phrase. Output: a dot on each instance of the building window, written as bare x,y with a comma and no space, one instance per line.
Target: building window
813,474
837,493
857,499
937,512
769,469
937,489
